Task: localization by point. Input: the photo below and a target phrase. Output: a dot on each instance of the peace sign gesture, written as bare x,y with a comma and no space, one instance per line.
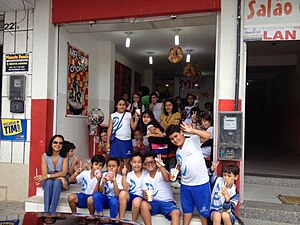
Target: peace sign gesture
194,116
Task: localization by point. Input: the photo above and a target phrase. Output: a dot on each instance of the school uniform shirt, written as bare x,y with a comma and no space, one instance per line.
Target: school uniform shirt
191,161
135,183
207,149
124,129
157,111
218,202
161,189
88,184
188,119
109,190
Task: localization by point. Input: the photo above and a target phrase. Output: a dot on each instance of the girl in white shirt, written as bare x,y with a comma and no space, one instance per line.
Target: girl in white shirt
154,132
120,125
155,106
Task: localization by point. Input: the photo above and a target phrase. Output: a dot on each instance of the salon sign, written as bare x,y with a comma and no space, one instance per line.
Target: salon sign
271,20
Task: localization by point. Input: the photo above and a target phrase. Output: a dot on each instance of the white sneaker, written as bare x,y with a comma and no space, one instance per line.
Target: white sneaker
175,184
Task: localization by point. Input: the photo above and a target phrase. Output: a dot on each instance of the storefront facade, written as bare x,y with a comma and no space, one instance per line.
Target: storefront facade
47,44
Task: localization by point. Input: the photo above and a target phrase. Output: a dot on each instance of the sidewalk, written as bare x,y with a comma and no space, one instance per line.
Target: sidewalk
11,208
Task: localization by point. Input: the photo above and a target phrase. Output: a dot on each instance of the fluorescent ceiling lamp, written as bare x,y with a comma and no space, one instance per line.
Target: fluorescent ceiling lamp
176,39
150,59
188,58
127,42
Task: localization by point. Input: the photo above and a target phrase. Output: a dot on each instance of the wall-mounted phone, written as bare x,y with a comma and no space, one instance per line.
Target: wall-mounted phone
230,136
17,91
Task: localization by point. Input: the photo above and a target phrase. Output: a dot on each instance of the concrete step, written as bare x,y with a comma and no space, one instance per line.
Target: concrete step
36,204
270,212
272,181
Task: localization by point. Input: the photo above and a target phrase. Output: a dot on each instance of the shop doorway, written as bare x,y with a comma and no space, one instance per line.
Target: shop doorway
272,109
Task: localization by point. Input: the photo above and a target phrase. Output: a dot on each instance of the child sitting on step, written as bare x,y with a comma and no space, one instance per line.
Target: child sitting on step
225,196
132,196
107,190
89,180
157,191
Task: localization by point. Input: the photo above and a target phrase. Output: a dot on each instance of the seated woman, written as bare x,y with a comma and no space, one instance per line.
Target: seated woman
54,168
170,116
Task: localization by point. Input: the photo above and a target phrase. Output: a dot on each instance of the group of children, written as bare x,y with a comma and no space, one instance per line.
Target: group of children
144,183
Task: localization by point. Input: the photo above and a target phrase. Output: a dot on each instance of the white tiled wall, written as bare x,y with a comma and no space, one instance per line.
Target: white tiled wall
17,41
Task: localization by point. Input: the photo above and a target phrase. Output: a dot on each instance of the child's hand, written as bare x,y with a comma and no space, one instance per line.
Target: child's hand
145,195
214,166
148,135
110,176
159,161
137,116
124,171
224,192
186,127
194,116
108,147
98,174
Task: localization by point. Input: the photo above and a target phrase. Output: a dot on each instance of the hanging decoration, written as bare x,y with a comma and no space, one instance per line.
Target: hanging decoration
175,55
192,72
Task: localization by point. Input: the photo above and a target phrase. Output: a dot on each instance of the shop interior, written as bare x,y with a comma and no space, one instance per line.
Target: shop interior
272,145
143,39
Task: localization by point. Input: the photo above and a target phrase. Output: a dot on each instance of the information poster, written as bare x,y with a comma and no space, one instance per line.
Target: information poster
16,63
13,130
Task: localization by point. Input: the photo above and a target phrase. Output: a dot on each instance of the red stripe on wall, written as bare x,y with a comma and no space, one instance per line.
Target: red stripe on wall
228,105
42,112
78,10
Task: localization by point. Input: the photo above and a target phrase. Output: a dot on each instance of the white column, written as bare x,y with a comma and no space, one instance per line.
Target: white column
226,50
44,48
107,78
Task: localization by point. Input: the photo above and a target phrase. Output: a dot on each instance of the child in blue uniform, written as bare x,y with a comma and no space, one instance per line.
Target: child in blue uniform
88,180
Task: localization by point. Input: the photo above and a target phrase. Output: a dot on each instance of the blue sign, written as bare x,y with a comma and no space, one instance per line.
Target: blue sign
13,129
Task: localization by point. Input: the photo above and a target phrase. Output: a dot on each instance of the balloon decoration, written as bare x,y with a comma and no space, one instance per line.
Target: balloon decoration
192,72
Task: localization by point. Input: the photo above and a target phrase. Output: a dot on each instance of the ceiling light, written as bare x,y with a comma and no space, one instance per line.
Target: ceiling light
127,42
188,56
150,58
176,37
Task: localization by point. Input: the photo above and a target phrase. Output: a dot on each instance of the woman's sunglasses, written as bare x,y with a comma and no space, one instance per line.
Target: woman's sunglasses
56,142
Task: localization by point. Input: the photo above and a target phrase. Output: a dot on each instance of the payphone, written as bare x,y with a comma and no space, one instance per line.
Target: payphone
230,136
17,87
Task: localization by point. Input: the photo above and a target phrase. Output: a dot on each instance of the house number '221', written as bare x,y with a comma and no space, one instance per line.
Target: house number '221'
10,26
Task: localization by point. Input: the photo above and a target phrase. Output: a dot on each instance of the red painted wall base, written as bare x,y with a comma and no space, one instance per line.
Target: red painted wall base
42,112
